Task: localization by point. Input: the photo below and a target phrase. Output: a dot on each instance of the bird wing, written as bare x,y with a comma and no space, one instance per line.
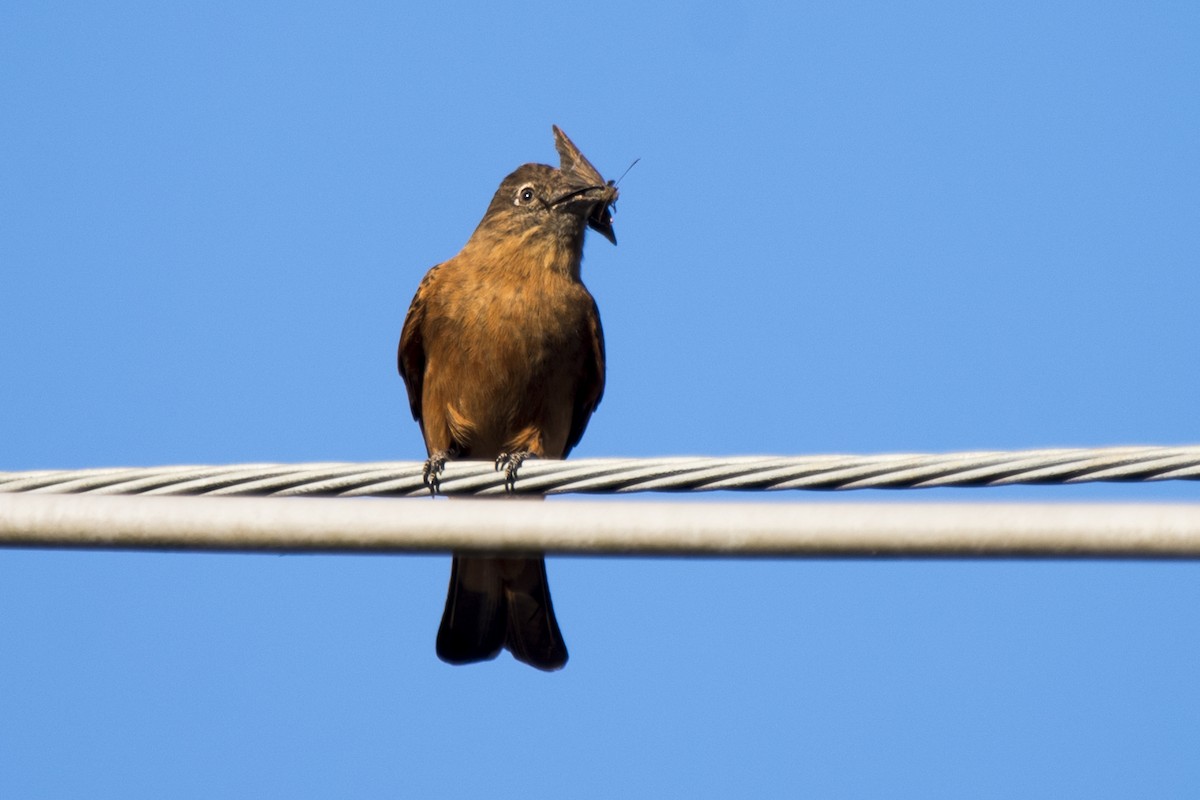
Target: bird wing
591,383
410,355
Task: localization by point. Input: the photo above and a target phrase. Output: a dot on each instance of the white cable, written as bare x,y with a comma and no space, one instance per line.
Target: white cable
795,529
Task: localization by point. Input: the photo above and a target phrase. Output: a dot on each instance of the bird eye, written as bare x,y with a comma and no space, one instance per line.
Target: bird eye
525,195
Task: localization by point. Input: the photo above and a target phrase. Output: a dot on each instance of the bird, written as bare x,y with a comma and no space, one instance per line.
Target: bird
502,357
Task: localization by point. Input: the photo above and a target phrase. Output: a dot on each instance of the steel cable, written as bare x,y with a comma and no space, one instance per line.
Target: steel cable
626,475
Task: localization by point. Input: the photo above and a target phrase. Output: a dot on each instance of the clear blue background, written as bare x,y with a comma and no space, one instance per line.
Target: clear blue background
855,227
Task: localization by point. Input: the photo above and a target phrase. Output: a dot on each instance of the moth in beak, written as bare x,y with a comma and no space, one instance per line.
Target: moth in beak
588,187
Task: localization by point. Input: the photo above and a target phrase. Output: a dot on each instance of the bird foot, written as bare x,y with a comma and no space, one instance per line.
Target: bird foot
431,473
510,463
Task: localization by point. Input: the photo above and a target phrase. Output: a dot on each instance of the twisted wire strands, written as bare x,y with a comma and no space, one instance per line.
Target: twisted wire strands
625,475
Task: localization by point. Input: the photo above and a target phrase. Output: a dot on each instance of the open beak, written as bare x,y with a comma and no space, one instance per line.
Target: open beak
596,200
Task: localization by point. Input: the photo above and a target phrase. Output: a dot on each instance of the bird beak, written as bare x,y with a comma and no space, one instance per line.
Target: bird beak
594,201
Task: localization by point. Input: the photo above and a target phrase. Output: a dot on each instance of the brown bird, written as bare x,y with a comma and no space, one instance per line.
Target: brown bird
502,355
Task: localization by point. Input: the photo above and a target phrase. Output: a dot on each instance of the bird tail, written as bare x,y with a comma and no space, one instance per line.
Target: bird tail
496,603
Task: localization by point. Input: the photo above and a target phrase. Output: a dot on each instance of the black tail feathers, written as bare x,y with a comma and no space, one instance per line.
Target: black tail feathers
496,603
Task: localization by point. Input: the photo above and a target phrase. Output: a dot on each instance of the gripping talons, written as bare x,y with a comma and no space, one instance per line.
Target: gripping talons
432,471
510,463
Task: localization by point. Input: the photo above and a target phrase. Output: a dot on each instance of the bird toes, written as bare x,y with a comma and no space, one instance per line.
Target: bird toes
510,463
432,471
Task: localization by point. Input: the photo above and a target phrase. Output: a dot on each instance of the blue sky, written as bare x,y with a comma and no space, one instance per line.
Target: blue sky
854,228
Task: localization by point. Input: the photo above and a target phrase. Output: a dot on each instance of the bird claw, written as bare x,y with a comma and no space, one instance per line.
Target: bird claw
432,471
510,463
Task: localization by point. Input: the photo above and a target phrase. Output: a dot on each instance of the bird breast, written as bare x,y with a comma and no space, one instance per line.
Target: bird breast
505,351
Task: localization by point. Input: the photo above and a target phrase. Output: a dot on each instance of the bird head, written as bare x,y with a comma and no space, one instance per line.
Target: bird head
562,201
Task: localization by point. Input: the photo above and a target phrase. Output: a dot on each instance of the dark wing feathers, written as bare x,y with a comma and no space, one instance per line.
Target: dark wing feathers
410,355
591,384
